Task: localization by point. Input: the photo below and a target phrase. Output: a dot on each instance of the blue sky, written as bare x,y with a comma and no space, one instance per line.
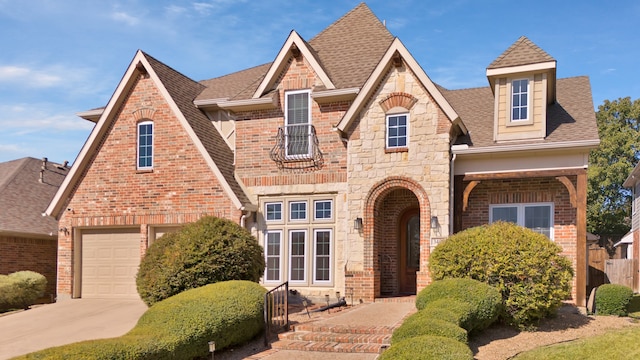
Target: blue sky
60,57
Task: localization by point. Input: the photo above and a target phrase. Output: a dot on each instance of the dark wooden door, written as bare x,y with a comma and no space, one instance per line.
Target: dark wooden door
409,234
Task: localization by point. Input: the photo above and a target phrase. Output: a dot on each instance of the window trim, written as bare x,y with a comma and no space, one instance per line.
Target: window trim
509,108
266,212
138,156
386,140
305,256
266,256
306,210
315,256
286,124
315,218
521,213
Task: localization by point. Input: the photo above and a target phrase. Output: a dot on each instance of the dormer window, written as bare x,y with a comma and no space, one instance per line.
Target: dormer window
520,100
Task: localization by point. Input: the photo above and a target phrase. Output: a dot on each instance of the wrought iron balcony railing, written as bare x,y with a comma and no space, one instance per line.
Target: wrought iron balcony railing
297,148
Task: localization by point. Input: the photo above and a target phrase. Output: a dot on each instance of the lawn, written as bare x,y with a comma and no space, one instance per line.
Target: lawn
620,344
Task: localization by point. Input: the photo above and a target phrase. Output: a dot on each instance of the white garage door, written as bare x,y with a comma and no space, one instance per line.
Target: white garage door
110,260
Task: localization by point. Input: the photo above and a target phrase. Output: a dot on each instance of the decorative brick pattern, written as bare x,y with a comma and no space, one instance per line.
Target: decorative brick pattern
398,99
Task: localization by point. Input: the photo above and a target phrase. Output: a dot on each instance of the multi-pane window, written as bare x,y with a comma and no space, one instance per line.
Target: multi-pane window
297,258
297,123
537,217
145,145
322,263
298,210
273,211
520,99
397,131
272,251
322,209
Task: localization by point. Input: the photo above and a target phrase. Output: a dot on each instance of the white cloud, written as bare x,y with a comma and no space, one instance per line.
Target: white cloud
122,16
203,8
28,76
21,119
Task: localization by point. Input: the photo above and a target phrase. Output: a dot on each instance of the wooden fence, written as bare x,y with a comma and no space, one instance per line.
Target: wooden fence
621,271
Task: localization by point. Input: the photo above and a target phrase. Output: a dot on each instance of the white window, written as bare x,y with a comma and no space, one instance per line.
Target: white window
145,145
297,255
537,216
322,209
272,249
298,210
297,124
520,100
397,131
322,259
273,211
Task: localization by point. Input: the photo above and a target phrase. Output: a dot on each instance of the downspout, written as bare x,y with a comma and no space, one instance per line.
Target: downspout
451,194
242,220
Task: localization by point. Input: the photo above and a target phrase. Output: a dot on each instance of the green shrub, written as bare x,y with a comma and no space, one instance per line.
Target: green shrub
485,301
21,289
427,347
180,327
207,251
525,266
418,324
455,311
612,299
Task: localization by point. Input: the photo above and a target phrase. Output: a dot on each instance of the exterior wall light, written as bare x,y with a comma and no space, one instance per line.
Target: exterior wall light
357,224
434,222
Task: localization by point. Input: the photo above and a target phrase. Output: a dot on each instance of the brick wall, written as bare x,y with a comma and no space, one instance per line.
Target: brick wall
528,191
112,192
39,255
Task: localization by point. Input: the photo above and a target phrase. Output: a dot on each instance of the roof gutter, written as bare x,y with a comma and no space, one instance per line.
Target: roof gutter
466,150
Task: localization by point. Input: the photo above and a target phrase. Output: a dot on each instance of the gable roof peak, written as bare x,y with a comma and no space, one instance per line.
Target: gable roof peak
521,52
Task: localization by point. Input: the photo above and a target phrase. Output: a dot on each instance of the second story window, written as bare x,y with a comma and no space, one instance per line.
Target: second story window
520,100
297,124
145,145
397,131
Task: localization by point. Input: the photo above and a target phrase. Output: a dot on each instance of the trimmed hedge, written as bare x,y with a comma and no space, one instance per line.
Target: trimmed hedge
455,311
205,252
612,299
418,324
229,313
428,347
484,300
21,289
528,268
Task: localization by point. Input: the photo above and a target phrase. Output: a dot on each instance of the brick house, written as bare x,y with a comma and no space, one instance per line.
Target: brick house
342,156
28,240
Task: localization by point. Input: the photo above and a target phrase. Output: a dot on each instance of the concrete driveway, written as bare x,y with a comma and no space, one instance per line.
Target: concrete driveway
66,322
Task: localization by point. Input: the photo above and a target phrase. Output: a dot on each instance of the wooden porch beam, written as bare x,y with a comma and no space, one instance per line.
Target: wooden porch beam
467,191
572,190
523,174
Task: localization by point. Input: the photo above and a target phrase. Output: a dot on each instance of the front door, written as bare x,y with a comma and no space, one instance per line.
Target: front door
409,251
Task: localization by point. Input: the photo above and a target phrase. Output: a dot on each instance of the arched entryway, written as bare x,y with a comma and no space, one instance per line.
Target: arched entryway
397,243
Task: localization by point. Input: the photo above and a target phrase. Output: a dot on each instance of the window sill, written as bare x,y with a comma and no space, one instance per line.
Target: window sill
144,171
396,150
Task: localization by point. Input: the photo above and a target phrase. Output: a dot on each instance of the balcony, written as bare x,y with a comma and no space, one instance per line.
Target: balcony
297,148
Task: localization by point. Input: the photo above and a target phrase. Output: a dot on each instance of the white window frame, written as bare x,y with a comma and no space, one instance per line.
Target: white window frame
286,124
306,210
267,256
315,256
315,202
521,213
140,124
305,256
387,146
266,212
529,119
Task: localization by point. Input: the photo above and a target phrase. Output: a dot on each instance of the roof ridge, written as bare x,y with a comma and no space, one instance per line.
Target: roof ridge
235,72
333,24
510,56
24,161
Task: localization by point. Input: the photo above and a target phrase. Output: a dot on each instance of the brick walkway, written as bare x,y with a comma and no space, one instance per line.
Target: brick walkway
358,333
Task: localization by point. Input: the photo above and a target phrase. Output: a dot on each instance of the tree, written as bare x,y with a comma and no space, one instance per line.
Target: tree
608,202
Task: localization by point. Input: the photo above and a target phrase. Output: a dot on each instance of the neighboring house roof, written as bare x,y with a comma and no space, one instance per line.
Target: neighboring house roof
522,52
633,178
626,239
24,197
571,120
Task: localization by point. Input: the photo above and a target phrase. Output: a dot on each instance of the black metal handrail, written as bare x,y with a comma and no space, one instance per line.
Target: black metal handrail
276,311
297,147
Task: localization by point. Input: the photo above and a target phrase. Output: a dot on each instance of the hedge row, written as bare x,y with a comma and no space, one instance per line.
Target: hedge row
447,311
613,299
180,327
21,289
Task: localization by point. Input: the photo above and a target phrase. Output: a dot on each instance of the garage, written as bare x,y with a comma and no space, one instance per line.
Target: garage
110,261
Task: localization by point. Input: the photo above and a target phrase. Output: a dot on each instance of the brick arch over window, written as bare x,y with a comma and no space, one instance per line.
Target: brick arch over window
143,114
377,193
398,99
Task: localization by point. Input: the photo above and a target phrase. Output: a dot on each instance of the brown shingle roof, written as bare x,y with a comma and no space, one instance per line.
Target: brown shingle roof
183,91
348,50
570,118
522,52
24,198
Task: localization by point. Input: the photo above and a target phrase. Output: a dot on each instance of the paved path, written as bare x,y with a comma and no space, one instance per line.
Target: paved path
66,322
